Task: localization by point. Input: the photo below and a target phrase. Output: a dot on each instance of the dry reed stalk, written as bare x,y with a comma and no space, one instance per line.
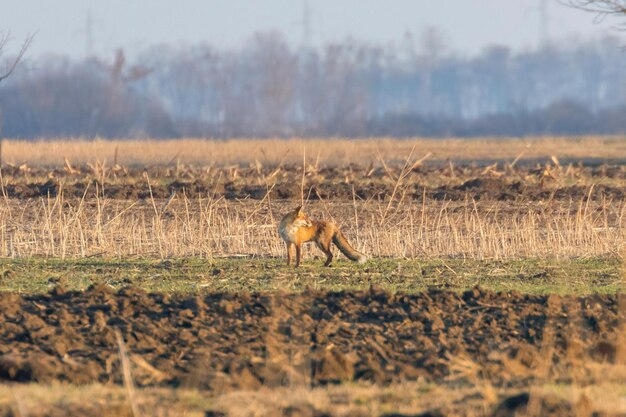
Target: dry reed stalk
128,378
19,409
403,173
210,227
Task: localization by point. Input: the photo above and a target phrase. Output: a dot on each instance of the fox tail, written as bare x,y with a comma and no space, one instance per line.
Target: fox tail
344,246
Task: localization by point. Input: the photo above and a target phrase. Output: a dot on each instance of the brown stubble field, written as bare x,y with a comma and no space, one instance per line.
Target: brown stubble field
159,263
330,152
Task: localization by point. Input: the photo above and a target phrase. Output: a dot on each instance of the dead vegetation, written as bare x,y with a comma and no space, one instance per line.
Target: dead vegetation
363,353
205,227
348,400
389,208
173,205
330,152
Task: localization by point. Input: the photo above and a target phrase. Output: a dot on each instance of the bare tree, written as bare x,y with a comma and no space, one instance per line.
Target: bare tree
602,8
5,38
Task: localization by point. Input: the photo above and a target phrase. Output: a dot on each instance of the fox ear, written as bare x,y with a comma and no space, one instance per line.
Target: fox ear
298,209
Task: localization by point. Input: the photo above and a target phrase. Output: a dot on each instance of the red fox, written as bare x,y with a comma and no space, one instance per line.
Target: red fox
296,228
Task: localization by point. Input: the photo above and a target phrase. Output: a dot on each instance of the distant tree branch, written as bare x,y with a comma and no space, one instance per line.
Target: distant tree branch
602,8
5,37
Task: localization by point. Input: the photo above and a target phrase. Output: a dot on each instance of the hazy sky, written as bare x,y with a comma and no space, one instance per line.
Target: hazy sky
134,24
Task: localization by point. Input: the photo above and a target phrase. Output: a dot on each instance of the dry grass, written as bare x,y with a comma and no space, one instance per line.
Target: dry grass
204,227
201,152
342,400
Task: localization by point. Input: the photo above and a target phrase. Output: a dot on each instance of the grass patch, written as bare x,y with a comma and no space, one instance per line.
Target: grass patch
189,275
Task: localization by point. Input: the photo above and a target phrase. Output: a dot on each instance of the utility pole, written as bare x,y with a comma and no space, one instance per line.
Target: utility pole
544,21
306,24
89,34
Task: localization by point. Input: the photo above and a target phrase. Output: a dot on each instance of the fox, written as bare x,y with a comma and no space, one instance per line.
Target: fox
297,228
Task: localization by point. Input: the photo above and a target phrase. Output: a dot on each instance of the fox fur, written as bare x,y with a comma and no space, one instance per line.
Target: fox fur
297,228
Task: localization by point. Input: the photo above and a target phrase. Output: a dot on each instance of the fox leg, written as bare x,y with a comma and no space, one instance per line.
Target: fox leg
298,253
329,257
327,251
289,245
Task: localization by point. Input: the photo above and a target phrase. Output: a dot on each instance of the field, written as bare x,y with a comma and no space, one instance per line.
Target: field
148,278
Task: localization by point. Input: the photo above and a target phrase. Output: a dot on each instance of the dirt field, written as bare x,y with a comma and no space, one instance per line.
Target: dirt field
177,271
441,181
224,342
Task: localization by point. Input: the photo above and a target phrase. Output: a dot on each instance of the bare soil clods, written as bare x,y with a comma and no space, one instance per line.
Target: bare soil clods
441,182
232,341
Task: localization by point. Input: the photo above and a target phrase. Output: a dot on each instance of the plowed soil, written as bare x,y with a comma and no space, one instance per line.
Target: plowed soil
444,182
225,341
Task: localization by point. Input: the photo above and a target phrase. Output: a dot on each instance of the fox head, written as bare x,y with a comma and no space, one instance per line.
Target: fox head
299,218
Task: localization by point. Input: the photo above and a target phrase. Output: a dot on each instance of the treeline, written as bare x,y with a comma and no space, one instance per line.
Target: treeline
416,87
563,117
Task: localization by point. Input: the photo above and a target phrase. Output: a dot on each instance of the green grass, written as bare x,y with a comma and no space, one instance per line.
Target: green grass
537,276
